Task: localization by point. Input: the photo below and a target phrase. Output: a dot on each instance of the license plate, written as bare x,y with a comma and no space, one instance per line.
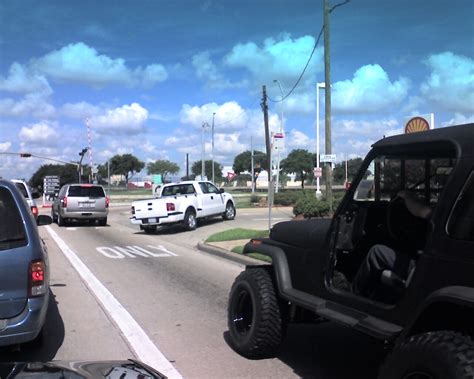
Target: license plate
86,205
151,220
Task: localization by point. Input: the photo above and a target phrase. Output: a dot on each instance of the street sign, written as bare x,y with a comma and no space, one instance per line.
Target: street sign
51,184
230,176
278,141
318,172
327,158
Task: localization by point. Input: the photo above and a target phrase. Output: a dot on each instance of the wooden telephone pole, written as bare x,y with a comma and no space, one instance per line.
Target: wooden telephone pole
327,105
269,154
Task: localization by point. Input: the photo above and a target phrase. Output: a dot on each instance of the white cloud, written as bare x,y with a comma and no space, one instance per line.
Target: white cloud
206,70
370,129
34,104
229,115
460,119
41,133
19,80
296,139
126,119
80,63
451,83
281,59
80,110
5,146
369,91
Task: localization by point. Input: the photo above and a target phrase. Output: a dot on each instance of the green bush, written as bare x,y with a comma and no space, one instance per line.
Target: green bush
309,206
286,198
254,198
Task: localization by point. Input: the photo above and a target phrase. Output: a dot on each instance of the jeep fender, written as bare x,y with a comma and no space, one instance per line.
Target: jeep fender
283,277
449,308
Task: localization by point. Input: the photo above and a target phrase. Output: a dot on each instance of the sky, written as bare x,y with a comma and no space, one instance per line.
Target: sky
147,74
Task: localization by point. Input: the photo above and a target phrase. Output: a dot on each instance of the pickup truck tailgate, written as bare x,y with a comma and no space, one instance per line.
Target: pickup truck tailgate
150,208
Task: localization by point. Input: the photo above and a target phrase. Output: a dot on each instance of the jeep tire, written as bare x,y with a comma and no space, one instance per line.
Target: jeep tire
255,317
437,355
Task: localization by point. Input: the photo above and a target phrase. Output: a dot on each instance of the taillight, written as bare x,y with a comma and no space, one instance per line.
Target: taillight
64,202
34,210
106,201
170,207
36,278
133,210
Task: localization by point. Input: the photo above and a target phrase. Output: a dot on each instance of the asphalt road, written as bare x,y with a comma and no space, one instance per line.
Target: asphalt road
163,301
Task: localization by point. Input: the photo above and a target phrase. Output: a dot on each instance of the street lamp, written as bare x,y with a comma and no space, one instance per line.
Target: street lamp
318,86
212,149
204,125
281,131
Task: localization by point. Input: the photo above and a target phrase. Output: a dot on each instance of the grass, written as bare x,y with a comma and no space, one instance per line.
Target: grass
237,234
239,250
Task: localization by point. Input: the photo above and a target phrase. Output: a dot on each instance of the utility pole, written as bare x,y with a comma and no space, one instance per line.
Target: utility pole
327,109
187,166
205,124
252,164
269,155
212,150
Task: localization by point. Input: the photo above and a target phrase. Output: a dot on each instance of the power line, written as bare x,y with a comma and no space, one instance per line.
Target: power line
310,57
302,72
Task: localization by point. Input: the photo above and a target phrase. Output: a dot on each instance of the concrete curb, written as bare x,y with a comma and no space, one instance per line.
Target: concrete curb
237,258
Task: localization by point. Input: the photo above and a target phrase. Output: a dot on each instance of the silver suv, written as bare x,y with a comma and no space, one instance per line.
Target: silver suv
81,202
24,269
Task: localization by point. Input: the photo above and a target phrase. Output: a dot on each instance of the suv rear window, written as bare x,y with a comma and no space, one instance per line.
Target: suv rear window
12,231
86,191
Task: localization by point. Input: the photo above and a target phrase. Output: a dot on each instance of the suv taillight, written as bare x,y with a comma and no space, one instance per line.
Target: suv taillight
170,207
106,201
36,278
34,210
64,202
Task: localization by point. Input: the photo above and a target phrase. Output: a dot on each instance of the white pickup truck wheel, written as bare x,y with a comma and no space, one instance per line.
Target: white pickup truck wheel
229,213
190,221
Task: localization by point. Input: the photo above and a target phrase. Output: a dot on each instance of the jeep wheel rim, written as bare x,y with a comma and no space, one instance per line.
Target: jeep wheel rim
243,312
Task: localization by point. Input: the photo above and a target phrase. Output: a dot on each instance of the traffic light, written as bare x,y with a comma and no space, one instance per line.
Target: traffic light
25,155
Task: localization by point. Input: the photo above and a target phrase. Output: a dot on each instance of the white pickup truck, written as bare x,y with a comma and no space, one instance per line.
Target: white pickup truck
183,202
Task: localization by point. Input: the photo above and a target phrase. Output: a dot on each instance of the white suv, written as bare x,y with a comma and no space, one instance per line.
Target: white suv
28,194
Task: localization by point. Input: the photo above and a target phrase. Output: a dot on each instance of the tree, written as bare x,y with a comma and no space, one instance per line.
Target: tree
299,161
196,169
126,165
163,167
67,174
353,166
243,161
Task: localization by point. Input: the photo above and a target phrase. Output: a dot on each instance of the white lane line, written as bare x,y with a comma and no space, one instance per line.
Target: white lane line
273,219
138,340
71,228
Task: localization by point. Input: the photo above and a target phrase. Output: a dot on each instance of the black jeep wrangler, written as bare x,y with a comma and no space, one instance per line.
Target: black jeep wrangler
426,317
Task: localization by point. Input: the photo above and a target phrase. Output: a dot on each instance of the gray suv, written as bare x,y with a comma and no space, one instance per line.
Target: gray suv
24,269
80,202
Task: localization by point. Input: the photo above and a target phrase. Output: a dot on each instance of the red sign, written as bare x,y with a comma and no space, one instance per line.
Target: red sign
230,176
318,172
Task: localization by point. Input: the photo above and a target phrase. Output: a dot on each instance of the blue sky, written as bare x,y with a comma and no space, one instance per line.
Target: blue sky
148,74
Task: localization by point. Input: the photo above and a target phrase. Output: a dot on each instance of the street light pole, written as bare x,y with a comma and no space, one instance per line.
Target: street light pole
281,131
205,124
318,86
212,147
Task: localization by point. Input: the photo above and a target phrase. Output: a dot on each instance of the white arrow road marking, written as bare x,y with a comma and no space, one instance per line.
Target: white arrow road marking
120,252
136,337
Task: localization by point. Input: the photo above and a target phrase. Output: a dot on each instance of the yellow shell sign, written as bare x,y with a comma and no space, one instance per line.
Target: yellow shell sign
416,124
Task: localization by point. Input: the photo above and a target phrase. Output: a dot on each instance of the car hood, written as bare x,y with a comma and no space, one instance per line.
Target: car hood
128,369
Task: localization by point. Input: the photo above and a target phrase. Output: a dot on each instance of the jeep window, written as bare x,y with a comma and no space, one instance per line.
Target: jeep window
461,221
12,231
387,175
86,191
